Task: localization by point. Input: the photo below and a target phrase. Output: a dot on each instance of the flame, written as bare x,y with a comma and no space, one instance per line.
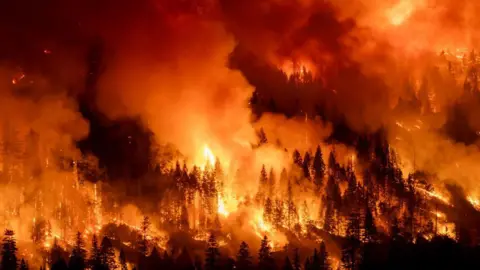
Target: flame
398,14
221,207
208,155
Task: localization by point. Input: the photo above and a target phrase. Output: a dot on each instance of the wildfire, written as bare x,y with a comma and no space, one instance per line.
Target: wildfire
209,156
398,14
221,207
301,69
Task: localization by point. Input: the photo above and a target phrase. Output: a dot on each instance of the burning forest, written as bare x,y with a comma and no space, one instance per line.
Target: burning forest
239,134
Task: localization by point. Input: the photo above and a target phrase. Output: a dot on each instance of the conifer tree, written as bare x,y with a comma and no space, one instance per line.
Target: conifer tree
142,244
271,183
291,214
268,211
79,254
296,260
287,265
306,165
332,162
307,264
183,261
122,260
23,265
265,260
369,223
297,158
9,251
244,260
211,254
107,254
323,257
278,215
318,168
262,137
95,260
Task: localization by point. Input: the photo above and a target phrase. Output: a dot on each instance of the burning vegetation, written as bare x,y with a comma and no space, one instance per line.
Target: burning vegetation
239,134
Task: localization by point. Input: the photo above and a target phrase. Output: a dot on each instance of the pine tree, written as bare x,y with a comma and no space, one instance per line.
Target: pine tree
291,208
142,243
370,229
211,254
268,211
271,183
323,257
318,168
278,215
107,254
95,260
307,266
23,265
306,165
287,265
296,260
263,185
244,260
315,262
332,162
122,260
297,158
79,254
265,260
262,137
9,251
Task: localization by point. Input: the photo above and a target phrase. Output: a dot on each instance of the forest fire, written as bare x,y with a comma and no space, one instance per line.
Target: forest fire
239,134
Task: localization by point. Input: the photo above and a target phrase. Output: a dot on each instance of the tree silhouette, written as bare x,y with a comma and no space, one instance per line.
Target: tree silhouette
323,257
318,168
107,254
287,265
265,260
23,265
122,260
9,251
211,253
297,158
306,165
296,260
95,259
79,254
142,243
244,260
268,210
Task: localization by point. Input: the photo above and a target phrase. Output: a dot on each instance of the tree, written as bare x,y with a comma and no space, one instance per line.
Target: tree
23,265
318,168
79,254
332,162
271,182
278,214
183,261
323,257
306,165
122,260
211,253
262,137
369,223
297,158
56,258
60,264
244,260
142,243
296,260
107,254
268,211
95,260
265,260
9,251
287,265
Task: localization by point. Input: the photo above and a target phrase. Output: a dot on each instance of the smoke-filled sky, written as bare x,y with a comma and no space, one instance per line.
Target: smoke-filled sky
187,68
